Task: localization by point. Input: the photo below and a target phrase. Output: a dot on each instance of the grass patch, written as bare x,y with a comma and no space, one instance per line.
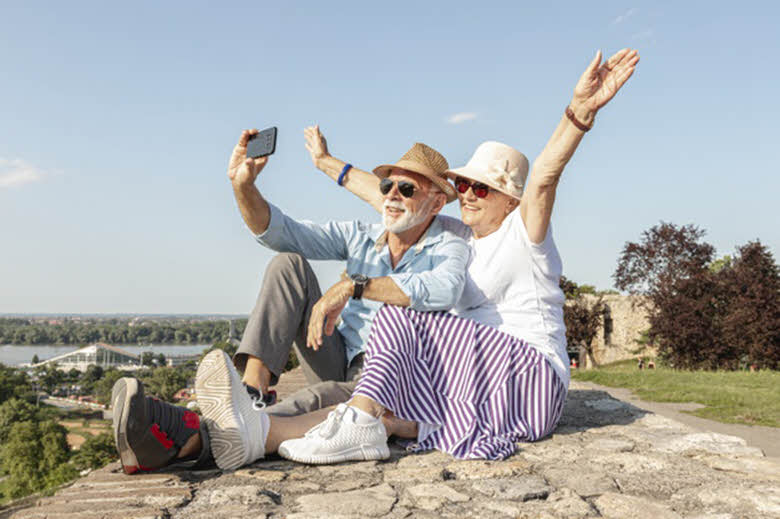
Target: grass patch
729,396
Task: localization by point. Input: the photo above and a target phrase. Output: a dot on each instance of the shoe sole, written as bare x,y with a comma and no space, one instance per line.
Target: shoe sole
216,385
362,453
121,395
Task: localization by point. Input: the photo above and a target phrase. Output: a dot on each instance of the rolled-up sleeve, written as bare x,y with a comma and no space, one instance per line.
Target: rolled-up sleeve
310,240
441,287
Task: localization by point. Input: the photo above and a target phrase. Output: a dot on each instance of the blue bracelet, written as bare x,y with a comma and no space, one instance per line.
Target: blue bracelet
346,168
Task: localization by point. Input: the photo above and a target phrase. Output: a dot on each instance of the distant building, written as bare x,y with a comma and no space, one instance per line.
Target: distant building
99,354
177,360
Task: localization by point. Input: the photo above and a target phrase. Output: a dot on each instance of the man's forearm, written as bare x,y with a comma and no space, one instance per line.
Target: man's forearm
361,183
254,209
384,290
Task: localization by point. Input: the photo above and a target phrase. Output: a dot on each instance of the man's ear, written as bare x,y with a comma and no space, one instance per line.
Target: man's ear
512,204
441,201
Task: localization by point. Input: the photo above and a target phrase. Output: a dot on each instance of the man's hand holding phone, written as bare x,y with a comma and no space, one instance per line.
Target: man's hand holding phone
243,168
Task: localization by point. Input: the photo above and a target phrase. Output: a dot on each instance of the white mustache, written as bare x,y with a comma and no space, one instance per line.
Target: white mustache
394,205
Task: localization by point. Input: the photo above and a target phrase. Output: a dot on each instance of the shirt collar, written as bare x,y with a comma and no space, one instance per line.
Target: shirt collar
432,235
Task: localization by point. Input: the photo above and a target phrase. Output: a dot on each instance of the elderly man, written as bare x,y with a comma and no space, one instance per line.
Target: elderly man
412,259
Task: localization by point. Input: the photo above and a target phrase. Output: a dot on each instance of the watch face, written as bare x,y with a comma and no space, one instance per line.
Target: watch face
359,278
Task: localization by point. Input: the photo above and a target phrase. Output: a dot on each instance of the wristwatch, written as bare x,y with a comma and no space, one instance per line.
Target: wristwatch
359,282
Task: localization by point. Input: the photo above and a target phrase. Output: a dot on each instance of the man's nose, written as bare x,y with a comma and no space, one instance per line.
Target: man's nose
394,194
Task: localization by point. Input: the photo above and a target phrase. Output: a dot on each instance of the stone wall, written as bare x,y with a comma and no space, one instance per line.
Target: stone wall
624,322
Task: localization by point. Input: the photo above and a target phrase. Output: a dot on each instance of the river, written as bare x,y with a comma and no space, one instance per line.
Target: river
13,355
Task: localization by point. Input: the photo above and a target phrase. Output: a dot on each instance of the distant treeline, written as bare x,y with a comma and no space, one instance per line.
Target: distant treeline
116,331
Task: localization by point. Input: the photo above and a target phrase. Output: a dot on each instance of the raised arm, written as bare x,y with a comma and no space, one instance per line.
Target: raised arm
596,87
242,172
361,183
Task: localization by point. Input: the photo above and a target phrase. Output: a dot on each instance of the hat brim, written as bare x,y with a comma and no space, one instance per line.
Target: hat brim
385,170
478,175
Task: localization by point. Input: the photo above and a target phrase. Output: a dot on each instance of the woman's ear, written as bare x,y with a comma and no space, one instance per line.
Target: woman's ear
512,204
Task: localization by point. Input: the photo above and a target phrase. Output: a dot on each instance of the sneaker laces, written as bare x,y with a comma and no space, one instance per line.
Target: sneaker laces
331,424
172,420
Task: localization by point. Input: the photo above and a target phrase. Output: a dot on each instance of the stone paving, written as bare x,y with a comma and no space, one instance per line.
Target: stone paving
606,459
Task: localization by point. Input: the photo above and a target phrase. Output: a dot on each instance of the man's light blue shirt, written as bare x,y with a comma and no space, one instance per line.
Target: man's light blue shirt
432,273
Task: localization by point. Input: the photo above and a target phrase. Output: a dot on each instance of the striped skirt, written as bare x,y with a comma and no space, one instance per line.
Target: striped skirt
475,391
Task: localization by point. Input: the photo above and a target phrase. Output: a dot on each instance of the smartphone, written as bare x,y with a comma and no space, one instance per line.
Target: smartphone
262,144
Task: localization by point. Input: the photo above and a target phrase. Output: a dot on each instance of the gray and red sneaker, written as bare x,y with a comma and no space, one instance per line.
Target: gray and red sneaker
148,432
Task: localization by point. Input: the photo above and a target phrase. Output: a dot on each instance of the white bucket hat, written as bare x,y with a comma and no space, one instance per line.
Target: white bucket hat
499,166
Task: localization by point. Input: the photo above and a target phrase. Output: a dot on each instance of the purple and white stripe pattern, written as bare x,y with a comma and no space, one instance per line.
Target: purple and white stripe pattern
485,388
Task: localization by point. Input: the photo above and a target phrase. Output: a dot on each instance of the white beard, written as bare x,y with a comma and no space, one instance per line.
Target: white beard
407,220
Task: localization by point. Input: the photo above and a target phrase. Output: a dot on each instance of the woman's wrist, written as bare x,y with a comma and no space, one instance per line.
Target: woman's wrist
582,113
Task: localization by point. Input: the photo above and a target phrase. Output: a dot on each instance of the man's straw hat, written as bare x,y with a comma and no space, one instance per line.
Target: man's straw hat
500,166
425,161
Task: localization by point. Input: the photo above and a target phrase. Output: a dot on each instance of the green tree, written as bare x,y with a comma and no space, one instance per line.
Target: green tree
35,359
96,452
14,383
20,460
13,411
49,377
164,382
720,264
147,358
35,457
102,388
91,376
54,454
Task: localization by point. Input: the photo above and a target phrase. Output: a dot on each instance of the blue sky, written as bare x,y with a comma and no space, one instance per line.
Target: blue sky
116,123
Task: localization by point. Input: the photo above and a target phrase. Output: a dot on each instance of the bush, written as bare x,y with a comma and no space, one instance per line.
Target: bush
35,458
582,318
14,383
14,411
96,452
164,382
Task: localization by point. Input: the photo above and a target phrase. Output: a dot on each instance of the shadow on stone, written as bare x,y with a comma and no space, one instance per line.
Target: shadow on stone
589,409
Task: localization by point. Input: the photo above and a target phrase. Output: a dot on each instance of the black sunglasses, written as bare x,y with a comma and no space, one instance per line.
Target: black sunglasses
479,189
405,188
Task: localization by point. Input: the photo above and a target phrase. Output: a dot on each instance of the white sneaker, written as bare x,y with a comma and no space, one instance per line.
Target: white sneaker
343,436
237,425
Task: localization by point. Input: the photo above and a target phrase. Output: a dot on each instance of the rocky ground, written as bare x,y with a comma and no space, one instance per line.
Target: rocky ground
606,459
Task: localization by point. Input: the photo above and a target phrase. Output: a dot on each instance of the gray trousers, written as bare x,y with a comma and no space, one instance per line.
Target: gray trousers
279,321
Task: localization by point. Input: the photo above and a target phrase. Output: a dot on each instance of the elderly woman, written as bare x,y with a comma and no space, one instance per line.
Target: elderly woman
494,371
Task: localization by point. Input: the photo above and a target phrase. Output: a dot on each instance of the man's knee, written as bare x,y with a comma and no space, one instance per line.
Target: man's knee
286,263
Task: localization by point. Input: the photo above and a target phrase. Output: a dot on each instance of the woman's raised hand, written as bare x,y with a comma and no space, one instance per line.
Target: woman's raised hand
601,81
315,143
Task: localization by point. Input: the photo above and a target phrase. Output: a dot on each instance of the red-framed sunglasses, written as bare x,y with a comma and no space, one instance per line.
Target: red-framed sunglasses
479,189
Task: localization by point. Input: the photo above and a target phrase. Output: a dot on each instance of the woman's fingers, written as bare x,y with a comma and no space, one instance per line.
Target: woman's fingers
594,64
623,76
